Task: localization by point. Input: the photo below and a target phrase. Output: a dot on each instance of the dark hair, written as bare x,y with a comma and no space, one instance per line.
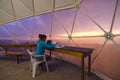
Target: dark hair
44,36
40,36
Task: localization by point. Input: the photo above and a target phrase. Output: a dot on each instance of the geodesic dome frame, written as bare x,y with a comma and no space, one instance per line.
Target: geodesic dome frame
20,9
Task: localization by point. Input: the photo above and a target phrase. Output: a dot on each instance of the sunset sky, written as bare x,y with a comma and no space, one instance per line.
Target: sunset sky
101,11
90,27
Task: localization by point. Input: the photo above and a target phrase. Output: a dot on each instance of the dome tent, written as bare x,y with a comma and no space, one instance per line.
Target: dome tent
64,22
10,11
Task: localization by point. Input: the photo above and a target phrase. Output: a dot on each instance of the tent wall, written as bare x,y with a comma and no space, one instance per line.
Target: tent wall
11,10
86,26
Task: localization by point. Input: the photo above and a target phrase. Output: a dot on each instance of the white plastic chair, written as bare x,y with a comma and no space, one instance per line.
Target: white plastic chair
2,51
35,62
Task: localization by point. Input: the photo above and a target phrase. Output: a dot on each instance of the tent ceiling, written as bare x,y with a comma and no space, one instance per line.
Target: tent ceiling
11,10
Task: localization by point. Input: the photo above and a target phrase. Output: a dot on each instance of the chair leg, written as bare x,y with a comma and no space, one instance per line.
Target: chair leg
31,67
47,66
33,70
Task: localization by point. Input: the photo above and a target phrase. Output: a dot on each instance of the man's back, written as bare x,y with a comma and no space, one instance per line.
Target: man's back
41,46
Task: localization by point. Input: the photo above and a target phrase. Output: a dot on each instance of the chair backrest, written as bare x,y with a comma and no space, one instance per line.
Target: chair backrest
33,57
2,51
30,54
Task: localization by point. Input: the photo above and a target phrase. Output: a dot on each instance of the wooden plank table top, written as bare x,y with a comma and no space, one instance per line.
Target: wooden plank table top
75,51
18,46
79,52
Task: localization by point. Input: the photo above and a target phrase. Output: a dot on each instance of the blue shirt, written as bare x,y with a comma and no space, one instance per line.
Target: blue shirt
41,46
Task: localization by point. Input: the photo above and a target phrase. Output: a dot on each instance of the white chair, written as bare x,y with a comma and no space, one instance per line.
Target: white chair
35,62
2,51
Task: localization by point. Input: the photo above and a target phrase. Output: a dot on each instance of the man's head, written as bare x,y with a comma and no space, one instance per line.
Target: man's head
40,36
44,37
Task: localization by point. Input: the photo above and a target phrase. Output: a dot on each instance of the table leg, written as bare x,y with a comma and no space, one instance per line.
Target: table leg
6,49
89,65
50,55
17,59
82,68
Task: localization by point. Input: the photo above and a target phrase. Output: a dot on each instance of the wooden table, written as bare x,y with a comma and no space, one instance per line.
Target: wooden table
80,52
18,54
17,45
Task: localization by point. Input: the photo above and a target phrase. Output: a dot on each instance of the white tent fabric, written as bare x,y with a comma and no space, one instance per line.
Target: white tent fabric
11,10
93,23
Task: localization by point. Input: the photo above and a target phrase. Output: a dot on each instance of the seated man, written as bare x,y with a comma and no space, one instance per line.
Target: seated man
42,45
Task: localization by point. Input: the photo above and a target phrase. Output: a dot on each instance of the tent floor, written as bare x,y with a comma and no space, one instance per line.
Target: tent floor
59,70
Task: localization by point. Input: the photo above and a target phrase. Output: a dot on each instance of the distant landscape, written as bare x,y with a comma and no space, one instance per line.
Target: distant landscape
11,41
